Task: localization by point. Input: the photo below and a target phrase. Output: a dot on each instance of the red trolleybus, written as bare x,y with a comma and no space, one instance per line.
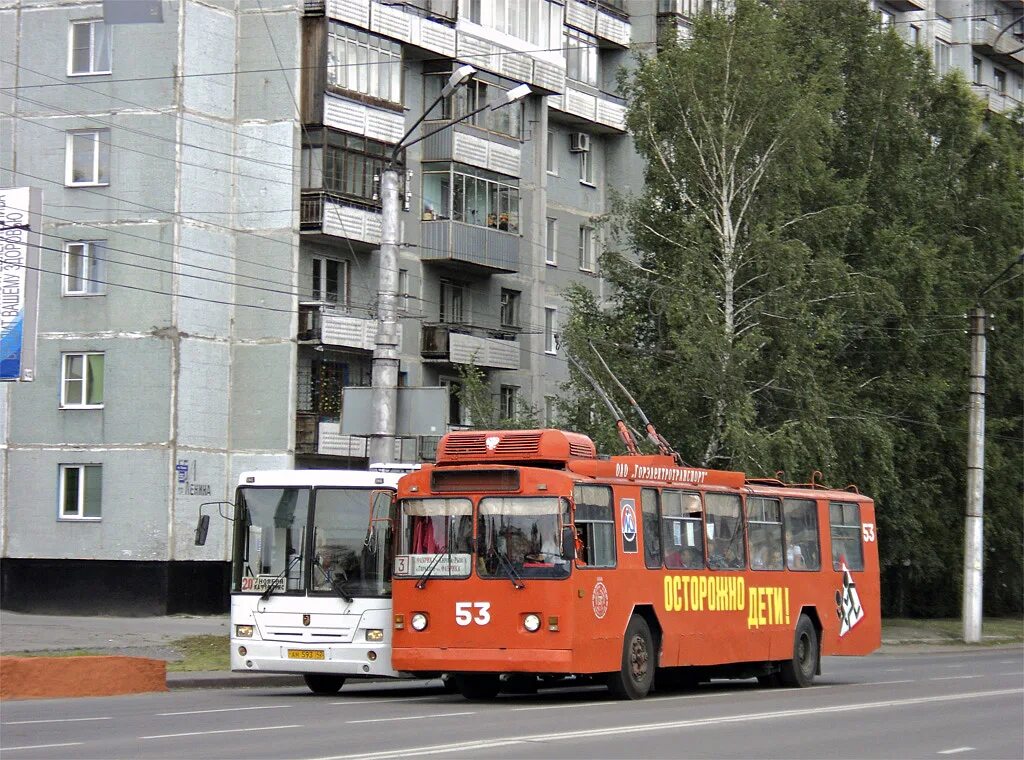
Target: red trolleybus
523,553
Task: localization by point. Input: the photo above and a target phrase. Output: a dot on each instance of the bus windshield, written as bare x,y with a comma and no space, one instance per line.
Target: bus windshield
270,537
351,549
525,531
435,537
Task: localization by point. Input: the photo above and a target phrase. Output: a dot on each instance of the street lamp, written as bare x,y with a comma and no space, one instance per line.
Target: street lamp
385,352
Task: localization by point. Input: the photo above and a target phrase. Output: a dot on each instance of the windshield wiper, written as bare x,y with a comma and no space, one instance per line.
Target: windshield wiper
510,571
426,573
273,584
336,583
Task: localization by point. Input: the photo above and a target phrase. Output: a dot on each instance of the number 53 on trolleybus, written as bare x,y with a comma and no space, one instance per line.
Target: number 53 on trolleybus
522,555
311,566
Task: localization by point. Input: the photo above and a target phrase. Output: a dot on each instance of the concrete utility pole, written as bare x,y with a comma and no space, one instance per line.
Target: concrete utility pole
973,520
385,352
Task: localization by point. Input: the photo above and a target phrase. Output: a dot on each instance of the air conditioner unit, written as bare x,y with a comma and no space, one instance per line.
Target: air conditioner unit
579,142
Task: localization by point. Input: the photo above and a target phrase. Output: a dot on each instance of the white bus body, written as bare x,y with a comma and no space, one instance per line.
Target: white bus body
313,537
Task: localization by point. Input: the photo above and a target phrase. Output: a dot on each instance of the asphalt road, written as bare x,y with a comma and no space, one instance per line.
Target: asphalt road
964,705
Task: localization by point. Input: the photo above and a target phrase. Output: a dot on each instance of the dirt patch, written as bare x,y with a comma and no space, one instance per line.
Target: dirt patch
50,677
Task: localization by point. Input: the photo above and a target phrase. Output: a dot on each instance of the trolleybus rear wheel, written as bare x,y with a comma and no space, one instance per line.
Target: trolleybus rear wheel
323,683
478,687
799,671
633,680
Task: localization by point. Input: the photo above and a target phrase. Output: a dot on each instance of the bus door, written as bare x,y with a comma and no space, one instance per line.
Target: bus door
599,621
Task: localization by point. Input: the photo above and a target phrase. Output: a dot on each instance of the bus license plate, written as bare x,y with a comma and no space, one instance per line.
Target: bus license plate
305,654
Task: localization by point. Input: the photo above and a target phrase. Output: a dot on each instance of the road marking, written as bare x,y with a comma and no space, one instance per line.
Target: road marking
378,701
577,706
892,670
49,720
880,683
955,751
411,717
959,665
221,731
227,709
40,746
477,746
952,678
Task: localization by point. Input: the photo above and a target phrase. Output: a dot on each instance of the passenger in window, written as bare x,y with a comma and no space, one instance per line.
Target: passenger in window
428,212
795,557
503,222
492,220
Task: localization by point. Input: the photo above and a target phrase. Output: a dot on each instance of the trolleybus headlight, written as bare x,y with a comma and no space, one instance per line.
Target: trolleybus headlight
242,651
375,634
418,621
531,622
243,631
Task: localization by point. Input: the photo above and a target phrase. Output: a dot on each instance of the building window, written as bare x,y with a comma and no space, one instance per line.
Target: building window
509,399
586,248
551,242
403,290
330,281
999,78
586,167
536,21
509,308
550,412
471,196
454,303
83,269
81,381
87,157
343,165
471,10
552,153
885,19
581,57
81,490
477,93
363,62
550,325
914,34
976,70
941,58
89,48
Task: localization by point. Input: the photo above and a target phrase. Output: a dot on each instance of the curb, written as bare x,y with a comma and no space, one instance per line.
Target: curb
228,680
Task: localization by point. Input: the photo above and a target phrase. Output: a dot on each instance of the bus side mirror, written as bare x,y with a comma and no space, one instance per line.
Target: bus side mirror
202,528
568,542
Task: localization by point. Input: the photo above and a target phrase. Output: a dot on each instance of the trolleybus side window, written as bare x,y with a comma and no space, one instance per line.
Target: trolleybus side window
273,531
524,532
724,527
764,532
844,518
800,517
350,551
652,528
595,526
681,530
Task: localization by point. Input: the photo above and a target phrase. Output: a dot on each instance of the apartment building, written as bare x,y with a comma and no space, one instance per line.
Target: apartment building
211,222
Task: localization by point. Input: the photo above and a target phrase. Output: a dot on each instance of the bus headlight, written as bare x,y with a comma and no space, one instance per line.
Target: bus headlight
375,634
418,621
243,631
531,622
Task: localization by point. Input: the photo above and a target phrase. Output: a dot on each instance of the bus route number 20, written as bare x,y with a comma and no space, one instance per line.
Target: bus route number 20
464,613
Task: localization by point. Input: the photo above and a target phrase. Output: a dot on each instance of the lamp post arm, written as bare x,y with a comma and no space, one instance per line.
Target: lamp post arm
401,144
446,125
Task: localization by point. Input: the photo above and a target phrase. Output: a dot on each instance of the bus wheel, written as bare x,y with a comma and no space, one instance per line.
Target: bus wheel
478,688
634,678
800,670
322,683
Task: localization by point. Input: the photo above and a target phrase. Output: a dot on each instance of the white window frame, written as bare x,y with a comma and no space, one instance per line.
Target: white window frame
94,24
551,242
508,399
403,290
92,268
81,403
552,154
320,288
550,330
79,514
942,62
550,411
100,149
511,302
999,77
586,249
586,168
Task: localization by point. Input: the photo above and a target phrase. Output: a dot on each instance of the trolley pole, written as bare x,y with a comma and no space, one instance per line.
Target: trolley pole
973,519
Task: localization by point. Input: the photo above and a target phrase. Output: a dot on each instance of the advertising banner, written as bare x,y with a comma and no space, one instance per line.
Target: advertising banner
20,212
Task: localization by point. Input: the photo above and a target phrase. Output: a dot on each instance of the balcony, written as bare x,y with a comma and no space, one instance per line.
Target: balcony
329,325
326,439
605,21
908,6
582,103
456,344
325,213
1005,50
469,145
995,101
484,250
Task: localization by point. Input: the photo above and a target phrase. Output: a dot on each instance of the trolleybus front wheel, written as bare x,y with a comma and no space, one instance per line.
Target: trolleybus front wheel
323,683
633,680
799,671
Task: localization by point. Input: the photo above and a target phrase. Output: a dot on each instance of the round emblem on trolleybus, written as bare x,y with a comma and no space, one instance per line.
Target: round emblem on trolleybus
599,600
492,442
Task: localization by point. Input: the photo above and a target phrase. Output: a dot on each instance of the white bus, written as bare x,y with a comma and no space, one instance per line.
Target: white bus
311,564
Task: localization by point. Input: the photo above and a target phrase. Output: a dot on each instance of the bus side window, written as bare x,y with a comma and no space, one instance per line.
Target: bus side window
800,517
652,528
844,519
724,526
681,532
764,531
595,525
